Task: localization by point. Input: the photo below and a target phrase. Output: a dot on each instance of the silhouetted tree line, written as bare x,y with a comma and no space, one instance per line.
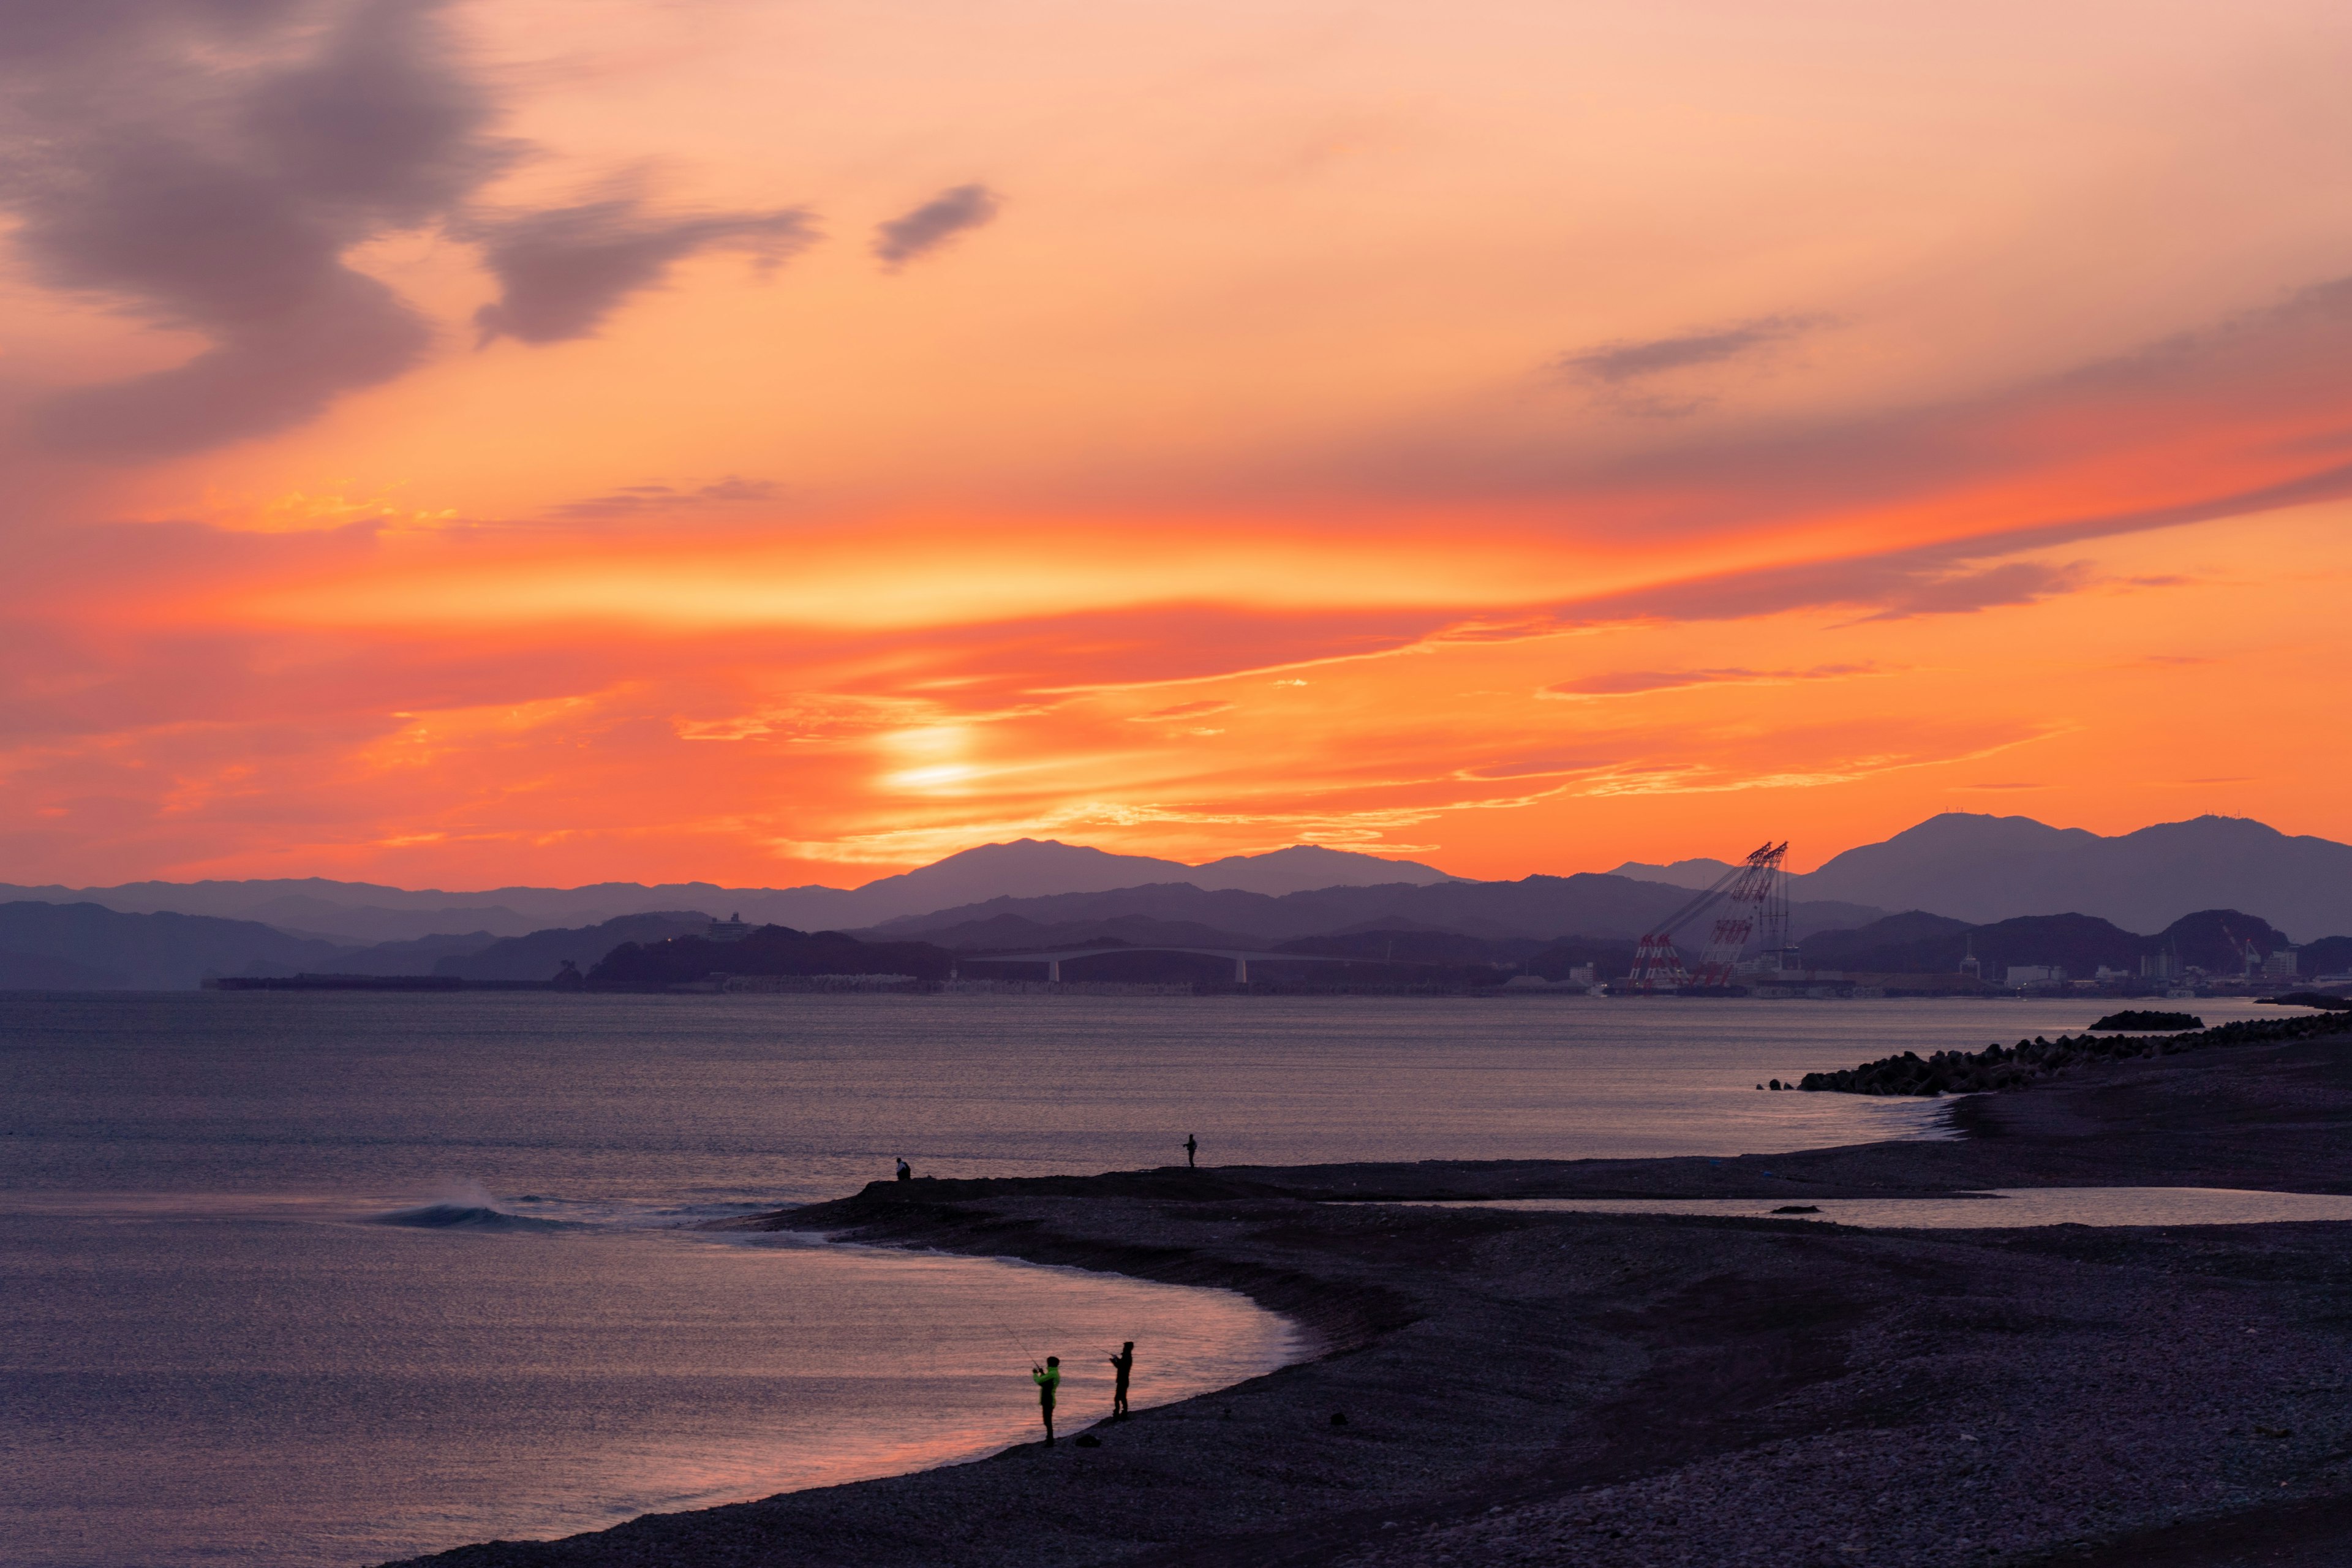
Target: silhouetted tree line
2212,940
771,950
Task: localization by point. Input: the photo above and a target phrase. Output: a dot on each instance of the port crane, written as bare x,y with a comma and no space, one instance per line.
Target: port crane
1751,894
2245,951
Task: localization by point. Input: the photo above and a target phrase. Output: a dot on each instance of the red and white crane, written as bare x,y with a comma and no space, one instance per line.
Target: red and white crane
1753,895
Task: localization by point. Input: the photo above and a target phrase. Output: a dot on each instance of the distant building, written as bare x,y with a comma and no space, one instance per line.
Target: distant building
2163,965
1970,964
731,929
2284,964
2035,975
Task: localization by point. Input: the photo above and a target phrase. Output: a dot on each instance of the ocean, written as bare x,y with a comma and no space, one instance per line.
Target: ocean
304,1280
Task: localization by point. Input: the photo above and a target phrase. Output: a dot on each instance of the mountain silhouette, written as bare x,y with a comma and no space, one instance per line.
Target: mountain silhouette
85,946
356,913
1979,869
1914,943
1972,870
538,955
1543,907
1986,868
1043,868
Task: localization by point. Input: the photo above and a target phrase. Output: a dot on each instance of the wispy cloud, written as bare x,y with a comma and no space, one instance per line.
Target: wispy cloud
1641,376
957,210
562,271
151,169
210,168
640,500
1182,710
1633,682
1966,591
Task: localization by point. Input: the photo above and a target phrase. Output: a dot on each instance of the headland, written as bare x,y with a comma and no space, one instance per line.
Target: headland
1502,1388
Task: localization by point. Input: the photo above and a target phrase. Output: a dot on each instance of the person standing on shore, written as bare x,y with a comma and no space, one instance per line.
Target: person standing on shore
1049,1382
906,1172
1122,1365
1192,1149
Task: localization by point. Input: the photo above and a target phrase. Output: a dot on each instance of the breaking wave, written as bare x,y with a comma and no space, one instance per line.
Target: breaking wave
469,1207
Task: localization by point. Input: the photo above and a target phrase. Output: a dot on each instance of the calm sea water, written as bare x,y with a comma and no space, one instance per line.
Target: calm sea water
309,1279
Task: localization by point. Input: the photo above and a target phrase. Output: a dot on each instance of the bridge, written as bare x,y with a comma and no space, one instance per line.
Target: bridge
1239,959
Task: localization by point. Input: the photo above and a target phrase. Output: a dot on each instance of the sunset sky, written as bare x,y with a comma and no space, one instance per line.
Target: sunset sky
775,441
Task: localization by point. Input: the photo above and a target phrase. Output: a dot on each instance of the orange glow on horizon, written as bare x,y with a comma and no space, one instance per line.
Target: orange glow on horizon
767,446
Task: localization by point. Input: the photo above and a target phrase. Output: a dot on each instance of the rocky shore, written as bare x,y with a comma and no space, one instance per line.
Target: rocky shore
1613,1390
1976,1072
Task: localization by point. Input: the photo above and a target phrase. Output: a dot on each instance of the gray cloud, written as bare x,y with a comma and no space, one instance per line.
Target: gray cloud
2237,384
636,501
1634,682
220,197
919,233
1622,374
341,333
1936,580
563,271
1965,592
206,165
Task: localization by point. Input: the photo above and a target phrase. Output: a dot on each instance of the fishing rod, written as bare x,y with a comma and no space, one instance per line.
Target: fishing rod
1020,1342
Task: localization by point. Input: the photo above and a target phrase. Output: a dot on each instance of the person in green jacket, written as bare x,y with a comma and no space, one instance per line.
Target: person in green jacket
1049,1381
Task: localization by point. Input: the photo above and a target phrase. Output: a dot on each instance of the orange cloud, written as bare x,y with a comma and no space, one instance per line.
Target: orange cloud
1318,442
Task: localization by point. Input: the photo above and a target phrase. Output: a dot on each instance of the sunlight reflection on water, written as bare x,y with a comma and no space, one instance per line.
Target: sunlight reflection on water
286,1381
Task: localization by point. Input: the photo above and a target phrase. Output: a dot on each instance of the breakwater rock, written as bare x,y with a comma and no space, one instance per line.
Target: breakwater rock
2310,999
2017,1066
2138,1021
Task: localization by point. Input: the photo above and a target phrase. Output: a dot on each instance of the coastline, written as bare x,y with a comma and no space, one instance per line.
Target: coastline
1619,1389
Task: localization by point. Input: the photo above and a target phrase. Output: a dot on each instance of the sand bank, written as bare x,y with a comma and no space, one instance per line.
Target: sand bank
1616,1390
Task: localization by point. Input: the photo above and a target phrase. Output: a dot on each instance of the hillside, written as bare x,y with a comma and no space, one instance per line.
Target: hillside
1914,943
771,950
358,914
1967,870
538,955
1541,908
1846,949
85,947
1014,934
1986,868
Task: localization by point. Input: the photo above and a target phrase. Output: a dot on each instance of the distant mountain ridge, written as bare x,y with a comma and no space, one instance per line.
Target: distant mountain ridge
540,954
1987,869
1540,907
357,914
1914,943
1980,869
1961,870
1971,868
87,947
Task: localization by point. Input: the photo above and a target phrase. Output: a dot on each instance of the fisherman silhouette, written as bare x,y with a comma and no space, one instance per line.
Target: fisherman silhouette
906,1172
1192,1149
1049,1379
1123,1365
